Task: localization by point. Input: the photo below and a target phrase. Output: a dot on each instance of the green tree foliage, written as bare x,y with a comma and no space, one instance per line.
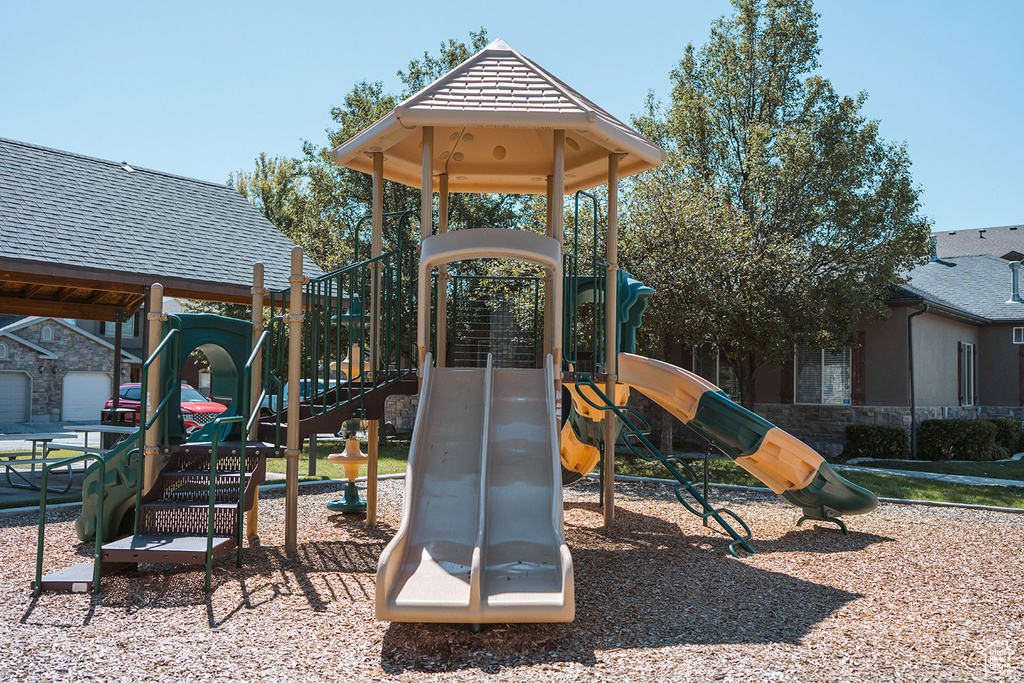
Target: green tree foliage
781,216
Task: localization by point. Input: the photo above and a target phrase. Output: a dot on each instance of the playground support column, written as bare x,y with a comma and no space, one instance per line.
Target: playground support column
611,344
376,244
553,326
151,453
547,273
294,450
256,386
442,275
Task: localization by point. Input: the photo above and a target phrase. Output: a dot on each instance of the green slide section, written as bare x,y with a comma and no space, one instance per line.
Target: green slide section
119,491
226,343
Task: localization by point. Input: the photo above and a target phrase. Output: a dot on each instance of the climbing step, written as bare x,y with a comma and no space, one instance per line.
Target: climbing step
165,548
78,578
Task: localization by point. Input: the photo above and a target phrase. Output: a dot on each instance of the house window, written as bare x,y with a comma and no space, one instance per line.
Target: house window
823,376
47,334
707,362
3,351
1018,335
109,329
966,373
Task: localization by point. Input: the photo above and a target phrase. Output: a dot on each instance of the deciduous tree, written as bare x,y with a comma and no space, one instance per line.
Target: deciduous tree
782,216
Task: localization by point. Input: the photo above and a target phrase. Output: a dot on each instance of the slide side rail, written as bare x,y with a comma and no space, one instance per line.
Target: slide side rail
635,438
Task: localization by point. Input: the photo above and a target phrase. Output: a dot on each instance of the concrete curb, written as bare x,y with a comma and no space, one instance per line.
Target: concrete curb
759,489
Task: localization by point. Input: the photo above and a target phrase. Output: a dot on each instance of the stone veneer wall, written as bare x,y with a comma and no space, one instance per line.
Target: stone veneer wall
823,427
75,353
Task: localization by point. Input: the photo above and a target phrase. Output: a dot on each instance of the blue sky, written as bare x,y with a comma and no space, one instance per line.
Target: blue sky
200,88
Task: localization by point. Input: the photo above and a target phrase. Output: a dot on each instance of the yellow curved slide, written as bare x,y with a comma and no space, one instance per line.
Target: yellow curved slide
789,467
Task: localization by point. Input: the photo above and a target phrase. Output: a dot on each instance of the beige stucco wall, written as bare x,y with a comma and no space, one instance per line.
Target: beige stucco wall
936,359
999,367
885,355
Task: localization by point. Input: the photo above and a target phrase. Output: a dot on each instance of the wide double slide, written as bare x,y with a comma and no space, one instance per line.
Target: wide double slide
789,467
480,539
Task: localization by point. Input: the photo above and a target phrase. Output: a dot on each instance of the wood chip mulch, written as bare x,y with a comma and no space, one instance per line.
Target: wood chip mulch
912,594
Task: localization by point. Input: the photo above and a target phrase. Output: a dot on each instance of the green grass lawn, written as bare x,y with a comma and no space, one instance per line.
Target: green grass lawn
996,470
391,459
882,485
394,456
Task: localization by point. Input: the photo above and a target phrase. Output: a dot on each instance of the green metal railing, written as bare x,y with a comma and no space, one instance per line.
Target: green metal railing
502,315
583,331
170,343
636,440
242,462
337,326
98,552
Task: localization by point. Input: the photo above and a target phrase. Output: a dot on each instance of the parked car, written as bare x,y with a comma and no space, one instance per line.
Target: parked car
196,409
305,385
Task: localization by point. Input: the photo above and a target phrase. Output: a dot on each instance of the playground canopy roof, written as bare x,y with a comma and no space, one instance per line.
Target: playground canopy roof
84,238
492,117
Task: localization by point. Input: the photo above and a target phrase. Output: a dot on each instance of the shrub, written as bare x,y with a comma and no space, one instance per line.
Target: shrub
1009,433
887,442
959,440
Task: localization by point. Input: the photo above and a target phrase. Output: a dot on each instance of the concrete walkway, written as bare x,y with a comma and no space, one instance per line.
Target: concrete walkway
947,478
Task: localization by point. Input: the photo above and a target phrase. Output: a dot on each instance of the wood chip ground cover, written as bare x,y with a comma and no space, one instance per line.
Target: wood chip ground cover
912,594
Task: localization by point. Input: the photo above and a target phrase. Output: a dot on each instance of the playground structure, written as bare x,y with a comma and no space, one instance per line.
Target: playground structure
481,533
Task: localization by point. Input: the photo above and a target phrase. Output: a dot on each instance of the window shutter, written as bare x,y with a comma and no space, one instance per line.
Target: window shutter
786,382
1020,375
959,373
974,376
858,380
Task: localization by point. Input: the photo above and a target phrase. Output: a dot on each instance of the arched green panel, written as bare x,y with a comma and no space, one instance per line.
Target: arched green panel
227,344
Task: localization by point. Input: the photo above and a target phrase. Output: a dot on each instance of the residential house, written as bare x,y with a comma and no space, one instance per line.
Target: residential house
953,346
85,239
52,370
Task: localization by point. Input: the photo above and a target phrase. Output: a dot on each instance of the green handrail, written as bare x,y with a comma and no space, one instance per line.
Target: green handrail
653,454
145,424
324,299
98,553
213,494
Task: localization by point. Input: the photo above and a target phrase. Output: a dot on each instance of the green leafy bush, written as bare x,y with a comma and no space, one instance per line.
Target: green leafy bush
1009,433
887,442
960,440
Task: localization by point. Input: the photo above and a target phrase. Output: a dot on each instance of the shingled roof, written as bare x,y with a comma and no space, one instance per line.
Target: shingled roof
90,235
1005,242
489,115
976,287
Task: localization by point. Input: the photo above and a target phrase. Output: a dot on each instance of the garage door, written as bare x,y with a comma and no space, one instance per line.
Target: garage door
85,394
15,394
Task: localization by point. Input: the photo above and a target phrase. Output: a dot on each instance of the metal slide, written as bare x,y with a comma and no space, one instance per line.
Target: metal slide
789,467
481,534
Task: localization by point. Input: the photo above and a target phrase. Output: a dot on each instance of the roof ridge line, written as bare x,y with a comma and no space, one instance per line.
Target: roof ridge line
120,164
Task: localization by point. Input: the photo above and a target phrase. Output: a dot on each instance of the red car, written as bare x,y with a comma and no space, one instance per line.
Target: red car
196,409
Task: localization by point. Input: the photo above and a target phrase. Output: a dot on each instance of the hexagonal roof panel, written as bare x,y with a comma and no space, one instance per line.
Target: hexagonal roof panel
493,118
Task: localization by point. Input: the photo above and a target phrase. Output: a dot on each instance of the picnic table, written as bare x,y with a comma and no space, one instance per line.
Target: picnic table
32,458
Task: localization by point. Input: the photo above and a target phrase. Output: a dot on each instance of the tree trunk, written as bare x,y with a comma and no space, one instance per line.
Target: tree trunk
667,418
745,374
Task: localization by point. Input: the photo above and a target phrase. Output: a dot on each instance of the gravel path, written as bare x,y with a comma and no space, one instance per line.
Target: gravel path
912,594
